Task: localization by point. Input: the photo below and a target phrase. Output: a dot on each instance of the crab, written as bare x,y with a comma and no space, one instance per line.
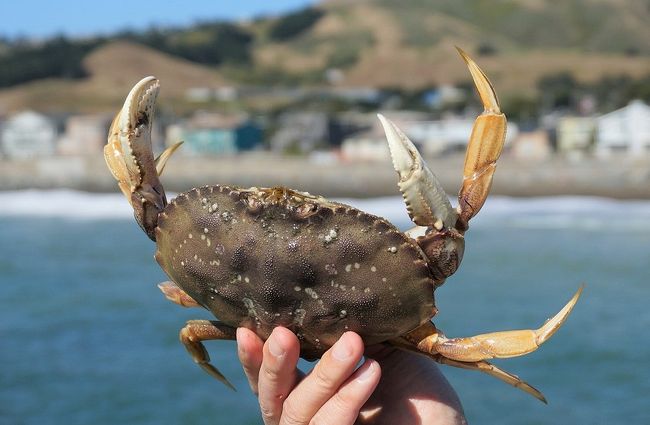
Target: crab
265,257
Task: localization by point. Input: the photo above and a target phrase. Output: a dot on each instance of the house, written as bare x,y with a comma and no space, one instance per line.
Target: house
215,134
28,134
575,135
301,132
532,145
448,135
626,130
369,145
84,135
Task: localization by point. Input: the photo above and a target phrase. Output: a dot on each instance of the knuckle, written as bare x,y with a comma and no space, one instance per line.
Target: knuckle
323,379
268,413
291,415
341,404
270,374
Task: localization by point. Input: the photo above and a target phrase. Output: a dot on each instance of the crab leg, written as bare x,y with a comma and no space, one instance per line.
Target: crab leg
490,369
481,366
176,295
161,160
496,344
196,331
484,147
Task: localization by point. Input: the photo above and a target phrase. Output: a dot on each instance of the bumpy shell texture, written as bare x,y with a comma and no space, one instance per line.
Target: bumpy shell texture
260,258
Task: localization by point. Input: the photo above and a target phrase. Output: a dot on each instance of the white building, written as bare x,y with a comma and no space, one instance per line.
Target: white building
447,135
84,135
626,130
28,134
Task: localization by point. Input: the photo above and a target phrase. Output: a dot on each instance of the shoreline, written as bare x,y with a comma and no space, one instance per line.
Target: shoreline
619,178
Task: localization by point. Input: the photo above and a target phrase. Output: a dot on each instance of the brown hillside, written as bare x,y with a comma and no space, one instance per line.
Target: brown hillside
412,44
113,69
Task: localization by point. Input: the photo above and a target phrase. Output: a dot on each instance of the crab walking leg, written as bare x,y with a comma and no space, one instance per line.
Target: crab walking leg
176,295
484,147
406,343
492,370
497,344
196,331
161,160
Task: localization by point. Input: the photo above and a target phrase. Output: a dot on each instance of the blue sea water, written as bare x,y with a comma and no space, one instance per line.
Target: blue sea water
87,338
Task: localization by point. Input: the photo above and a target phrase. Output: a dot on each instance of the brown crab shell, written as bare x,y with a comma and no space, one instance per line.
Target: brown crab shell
262,258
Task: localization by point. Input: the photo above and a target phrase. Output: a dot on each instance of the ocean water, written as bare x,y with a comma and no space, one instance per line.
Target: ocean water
87,338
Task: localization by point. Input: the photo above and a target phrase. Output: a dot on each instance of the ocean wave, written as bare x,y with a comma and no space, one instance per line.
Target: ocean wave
588,213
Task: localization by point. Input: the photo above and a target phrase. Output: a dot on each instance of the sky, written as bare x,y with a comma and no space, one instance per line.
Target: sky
78,18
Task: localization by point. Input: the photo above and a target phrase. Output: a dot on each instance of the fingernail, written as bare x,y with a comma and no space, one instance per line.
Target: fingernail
342,350
275,348
366,371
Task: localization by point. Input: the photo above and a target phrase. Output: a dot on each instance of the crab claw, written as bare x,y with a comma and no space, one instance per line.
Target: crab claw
129,155
484,147
426,201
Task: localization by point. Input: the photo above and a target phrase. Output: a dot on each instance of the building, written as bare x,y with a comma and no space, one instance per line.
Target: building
84,135
301,132
28,134
369,145
626,130
439,137
208,133
575,135
532,145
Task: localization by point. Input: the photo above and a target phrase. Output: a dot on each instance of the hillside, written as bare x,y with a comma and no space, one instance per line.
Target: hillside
388,44
380,43
113,69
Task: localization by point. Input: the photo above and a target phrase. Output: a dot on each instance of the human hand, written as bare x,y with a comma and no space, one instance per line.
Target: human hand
412,389
332,393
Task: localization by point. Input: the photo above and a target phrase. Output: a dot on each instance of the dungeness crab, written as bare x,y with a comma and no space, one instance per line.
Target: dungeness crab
266,257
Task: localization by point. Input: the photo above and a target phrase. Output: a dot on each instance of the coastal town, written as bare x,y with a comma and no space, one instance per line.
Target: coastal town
339,154
350,135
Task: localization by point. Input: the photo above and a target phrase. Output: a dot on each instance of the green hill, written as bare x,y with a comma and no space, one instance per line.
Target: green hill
380,43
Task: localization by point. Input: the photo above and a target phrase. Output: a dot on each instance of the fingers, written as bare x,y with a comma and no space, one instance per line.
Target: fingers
345,404
278,374
325,381
249,349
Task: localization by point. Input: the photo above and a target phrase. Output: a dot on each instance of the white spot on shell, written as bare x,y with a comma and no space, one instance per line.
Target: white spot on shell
311,293
250,306
343,313
190,236
297,288
205,230
246,279
392,249
299,316
357,265
348,267
373,269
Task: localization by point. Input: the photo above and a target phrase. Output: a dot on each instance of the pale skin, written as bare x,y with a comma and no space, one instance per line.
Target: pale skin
391,386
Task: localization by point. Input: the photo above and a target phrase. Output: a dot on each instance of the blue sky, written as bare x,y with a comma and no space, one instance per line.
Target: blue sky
42,18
